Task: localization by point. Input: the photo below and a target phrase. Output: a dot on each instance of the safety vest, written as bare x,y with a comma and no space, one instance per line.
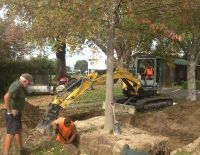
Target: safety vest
149,71
65,131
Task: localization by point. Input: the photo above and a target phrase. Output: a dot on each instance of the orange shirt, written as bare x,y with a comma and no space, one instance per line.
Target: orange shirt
66,131
149,71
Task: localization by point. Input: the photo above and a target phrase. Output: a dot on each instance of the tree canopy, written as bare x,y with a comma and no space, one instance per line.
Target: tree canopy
81,65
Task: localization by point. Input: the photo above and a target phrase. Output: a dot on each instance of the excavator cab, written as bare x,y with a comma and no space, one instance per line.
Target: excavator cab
148,95
148,70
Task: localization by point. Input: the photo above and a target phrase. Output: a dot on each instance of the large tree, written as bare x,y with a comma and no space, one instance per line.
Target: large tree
44,20
188,24
178,17
12,45
59,47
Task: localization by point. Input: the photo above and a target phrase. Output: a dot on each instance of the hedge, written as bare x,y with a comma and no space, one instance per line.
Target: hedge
11,70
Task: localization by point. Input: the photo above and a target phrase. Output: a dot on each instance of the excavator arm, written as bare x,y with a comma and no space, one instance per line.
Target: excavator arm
93,80
62,100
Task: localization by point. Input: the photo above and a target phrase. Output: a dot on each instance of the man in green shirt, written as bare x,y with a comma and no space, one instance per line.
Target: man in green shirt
14,101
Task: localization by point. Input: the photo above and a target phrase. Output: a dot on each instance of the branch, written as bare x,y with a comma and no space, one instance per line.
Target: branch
148,9
181,44
99,44
170,34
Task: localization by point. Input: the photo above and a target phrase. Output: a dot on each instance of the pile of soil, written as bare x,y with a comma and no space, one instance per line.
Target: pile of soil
41,100
95,140
180,123
31,115
30,118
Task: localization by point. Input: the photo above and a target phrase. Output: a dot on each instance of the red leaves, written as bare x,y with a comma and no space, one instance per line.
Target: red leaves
162,28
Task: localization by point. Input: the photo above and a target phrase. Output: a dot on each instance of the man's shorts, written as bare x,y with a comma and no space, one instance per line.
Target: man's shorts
13,124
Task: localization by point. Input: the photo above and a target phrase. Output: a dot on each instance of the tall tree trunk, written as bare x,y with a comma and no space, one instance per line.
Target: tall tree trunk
124,52
108,122
60,55
123,61
191,81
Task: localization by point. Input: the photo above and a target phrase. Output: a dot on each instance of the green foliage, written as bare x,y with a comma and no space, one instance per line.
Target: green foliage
184,84
52,148
82,65
183,153
11,70
12,45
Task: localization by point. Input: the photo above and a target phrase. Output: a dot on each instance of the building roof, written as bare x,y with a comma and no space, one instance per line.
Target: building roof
180,62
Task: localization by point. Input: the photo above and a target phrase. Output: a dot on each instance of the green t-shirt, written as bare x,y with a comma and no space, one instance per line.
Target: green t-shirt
17,95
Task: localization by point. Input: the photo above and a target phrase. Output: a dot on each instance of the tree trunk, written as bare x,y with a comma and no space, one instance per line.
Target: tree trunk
60,55
191,82
123,61
124,52
108,122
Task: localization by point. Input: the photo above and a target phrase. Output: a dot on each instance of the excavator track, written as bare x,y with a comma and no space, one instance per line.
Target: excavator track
147,104
153,103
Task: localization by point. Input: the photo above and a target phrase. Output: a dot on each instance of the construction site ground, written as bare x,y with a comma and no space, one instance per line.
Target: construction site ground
161,132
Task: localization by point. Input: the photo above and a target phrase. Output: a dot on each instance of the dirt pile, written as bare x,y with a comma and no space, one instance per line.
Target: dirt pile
179,123
31,115
2,118
41,100
193,148
94,140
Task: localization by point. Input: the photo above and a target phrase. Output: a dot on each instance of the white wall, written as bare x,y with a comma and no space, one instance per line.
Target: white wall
98,62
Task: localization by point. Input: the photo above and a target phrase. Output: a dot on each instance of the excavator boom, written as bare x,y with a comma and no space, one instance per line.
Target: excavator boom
90,81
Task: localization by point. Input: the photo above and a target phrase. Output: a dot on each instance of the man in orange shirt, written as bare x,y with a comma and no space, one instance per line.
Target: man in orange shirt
66,133
149,72
65,130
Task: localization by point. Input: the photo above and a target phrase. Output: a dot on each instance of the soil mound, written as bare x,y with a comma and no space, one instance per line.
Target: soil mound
96,141
178,122
31,115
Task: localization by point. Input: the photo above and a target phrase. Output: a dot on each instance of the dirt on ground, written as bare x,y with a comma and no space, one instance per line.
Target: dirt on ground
180,123
157,132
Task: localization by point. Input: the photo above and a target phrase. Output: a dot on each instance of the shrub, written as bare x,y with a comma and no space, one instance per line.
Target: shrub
184,84
11,70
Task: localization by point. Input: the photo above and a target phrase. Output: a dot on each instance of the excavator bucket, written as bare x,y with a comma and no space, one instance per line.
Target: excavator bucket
49,116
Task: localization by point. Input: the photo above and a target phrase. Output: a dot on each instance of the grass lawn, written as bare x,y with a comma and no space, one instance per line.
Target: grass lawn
183,153
98,94
52,149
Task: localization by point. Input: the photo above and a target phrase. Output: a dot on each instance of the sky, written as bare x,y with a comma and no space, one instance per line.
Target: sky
2,12
71,60
86,54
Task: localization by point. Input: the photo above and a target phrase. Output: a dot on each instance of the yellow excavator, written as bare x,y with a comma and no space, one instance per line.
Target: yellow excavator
138,91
